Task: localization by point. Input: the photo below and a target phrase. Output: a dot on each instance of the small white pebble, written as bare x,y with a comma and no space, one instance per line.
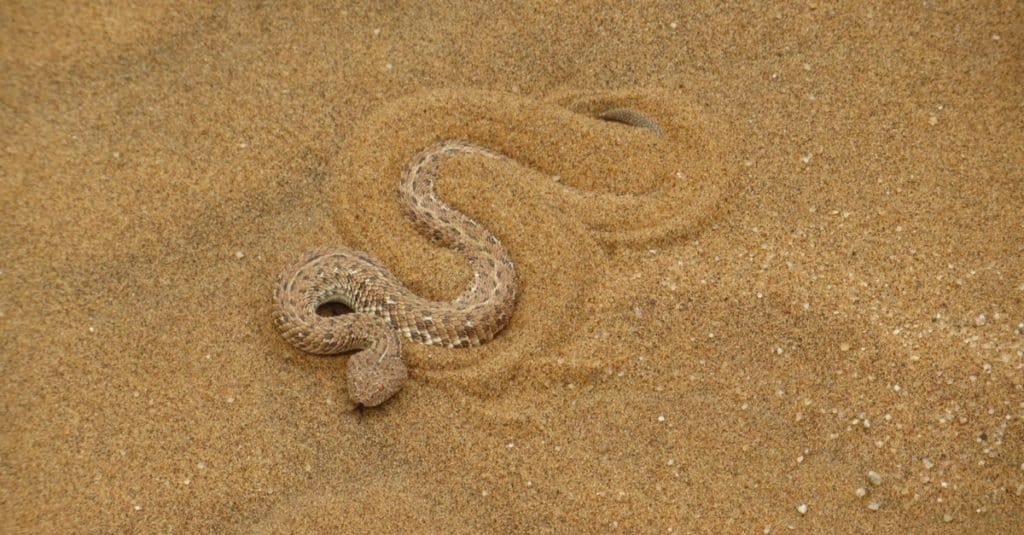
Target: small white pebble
806,158
674,25
928,464
510,445
844,346
874,506
875,478
661,418
137,507
861,492
933,120
802,508
92,329
239,254
947,517
980,320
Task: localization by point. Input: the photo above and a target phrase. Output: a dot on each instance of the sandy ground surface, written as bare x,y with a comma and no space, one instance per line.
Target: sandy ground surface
800,309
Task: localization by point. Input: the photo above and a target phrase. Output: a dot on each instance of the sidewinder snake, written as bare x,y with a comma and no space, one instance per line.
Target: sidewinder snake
382,307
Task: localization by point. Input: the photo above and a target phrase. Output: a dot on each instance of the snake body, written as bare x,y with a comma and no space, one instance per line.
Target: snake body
383,307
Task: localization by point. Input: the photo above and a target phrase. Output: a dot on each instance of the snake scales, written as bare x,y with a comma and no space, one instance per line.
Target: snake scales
382,307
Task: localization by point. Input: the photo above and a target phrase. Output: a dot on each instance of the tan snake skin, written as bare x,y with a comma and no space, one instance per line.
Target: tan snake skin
382,306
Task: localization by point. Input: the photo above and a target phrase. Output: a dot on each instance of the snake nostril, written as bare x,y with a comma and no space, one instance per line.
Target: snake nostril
331,308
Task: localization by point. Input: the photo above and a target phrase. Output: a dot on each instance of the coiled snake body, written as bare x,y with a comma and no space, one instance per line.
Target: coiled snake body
382,306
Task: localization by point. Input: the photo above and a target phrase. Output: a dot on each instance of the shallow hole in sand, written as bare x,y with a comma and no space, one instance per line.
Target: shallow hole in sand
330,309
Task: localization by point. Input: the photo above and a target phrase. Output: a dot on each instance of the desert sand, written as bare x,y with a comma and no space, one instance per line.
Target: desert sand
799,309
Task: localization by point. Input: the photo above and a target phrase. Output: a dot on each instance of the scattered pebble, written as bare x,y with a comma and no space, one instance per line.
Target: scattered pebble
874,478
239,254
928,464
874,506
980,320
844,346
802,508
861,492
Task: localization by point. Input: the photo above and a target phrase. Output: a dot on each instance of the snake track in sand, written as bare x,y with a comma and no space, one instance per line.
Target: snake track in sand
382,307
